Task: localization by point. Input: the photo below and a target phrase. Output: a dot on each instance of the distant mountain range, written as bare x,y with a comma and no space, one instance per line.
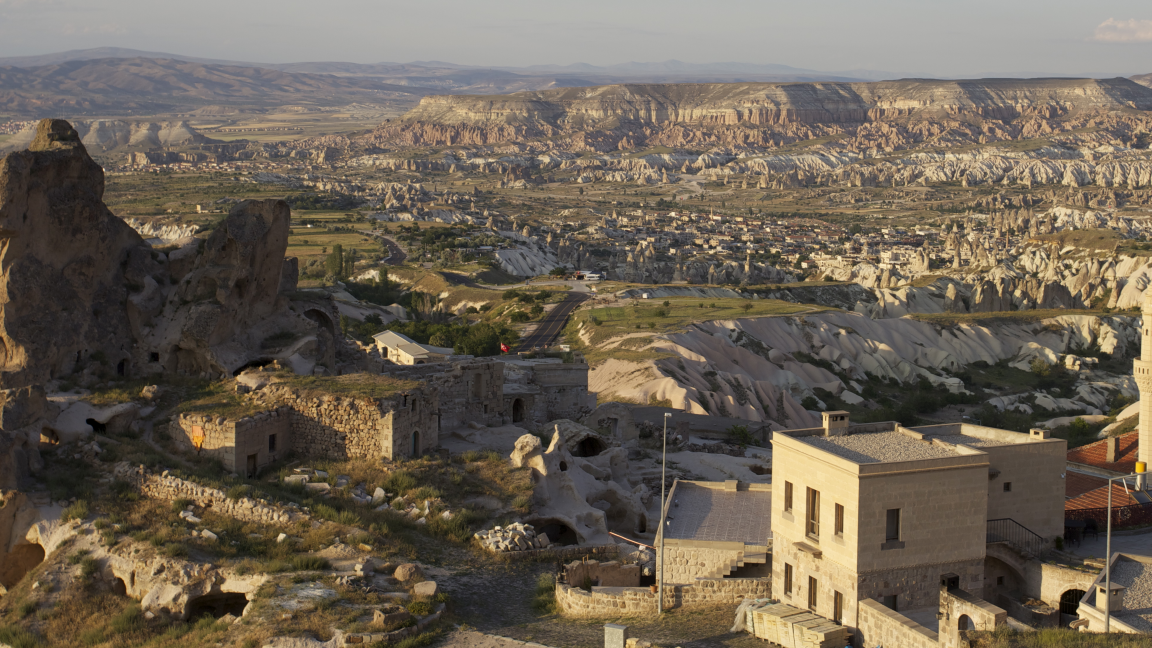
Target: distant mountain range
118,81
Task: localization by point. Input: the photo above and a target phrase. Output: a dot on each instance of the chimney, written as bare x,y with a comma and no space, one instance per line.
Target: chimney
1112,449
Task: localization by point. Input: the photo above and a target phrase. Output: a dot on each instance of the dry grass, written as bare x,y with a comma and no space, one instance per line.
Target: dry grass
1090,239
1053,638
359,385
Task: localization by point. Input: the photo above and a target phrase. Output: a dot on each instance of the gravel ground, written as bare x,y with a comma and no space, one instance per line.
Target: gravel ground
875,448
975,442
1137,577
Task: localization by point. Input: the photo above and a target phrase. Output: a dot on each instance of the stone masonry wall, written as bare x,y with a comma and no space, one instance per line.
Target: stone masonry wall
334,427
606,574
641,601
879,626
166,487
232,441
686,564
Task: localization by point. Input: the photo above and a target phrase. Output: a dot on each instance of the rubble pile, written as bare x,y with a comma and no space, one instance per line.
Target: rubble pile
514,537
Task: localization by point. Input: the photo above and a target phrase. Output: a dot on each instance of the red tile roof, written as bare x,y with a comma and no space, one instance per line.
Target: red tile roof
1099,499
1094,454
1076,484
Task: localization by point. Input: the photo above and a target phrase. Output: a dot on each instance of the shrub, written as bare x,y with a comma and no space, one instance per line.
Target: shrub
180,504
75,558
426,492
544,598
236,492
26,608
400,482
77,511
88,567
310,563
18,637
420,608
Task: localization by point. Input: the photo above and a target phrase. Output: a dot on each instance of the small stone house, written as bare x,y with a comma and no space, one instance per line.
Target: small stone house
402,350
245,445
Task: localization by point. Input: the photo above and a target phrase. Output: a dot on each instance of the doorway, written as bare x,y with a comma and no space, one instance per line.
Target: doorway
251,466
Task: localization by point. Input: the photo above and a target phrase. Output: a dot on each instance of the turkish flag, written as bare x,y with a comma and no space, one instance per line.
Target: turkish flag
504,348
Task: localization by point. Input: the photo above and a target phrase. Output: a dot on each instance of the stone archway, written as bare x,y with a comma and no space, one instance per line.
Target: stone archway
1070,601
321,318
518,410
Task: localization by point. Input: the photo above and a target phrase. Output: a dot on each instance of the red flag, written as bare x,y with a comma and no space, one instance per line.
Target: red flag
504,348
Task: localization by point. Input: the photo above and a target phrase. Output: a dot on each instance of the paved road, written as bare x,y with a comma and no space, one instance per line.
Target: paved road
553,322
397,255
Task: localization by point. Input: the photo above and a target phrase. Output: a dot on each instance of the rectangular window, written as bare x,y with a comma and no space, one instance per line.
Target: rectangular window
889,602
812,515
892,527
271,443
838,607
812,589
788,579
787,497
1007,487
839,519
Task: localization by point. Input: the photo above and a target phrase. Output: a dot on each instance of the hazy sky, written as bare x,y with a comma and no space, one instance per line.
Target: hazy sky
931,37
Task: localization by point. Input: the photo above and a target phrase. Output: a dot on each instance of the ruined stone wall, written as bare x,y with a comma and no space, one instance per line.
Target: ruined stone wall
563,391
471,392
169,488
636,601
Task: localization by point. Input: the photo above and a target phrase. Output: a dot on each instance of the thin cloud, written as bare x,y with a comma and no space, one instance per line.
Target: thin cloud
1124,31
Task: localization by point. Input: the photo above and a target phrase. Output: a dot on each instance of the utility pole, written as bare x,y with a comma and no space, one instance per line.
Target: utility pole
663,510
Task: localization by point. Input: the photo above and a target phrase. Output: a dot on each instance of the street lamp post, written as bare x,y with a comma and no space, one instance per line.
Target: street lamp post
1140,468
663,508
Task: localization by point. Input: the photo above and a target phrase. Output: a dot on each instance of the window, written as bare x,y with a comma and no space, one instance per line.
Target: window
890,602
271,443
787,497
838,607
812,588
839,519
788,579
1000,581
812,515
1007,487
892,528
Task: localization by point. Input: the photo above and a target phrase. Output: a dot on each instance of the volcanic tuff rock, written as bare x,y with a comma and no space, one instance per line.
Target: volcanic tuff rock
66,265
776,103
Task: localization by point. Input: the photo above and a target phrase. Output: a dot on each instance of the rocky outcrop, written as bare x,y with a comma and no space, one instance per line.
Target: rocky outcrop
774,103
67,267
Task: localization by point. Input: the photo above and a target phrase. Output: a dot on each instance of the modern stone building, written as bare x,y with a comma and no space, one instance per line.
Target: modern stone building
884,513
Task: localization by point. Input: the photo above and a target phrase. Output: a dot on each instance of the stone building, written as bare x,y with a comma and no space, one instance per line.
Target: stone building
716,530
884,514
540,390
402,350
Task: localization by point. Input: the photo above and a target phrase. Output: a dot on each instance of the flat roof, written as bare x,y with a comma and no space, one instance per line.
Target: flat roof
709,512
1137,577
879,447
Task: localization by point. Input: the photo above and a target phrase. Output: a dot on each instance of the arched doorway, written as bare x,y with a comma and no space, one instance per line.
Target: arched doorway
415,444
558,531
518,410
217,605
964,623
1070,601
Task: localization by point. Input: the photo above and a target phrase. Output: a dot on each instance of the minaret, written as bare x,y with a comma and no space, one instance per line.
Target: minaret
1142,370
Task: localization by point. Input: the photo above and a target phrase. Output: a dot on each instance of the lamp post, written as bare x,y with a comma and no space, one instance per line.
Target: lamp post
663,472
1139,474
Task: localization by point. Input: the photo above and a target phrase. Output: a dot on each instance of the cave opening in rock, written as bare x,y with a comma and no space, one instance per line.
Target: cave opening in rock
97,426
21,560
589,447
259,362
217,605
119,588
558,532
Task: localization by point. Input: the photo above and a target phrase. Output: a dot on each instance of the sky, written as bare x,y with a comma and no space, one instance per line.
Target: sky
906,37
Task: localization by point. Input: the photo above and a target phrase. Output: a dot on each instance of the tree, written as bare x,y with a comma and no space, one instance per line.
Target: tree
335,263
747,306
558,271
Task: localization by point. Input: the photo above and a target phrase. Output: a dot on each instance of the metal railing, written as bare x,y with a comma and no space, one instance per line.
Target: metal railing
1019,536
1123,517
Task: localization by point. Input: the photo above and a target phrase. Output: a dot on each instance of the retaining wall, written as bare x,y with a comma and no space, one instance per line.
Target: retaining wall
610,602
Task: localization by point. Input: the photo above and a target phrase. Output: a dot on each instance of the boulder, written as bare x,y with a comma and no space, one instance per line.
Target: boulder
408,572
426,589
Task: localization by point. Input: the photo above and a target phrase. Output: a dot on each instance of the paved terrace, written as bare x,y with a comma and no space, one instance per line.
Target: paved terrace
716,514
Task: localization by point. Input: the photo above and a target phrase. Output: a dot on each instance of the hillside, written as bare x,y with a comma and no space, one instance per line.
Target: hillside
778,103
1143,79
142,84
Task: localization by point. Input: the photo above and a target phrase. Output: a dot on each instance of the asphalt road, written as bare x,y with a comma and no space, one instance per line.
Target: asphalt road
553,322
398,255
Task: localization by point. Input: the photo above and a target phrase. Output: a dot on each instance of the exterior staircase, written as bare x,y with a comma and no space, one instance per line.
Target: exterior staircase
750,554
